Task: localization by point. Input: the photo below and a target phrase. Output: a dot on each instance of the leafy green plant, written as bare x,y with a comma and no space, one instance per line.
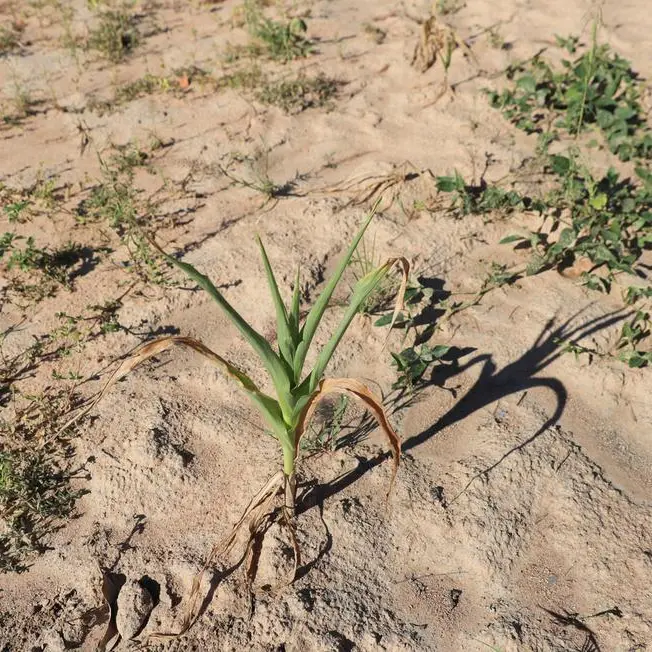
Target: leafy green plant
609,221
35,489
16,210
479,200
281,40
596,88
632,334
50,267
325,437
412,363
296,392
416,296
296,95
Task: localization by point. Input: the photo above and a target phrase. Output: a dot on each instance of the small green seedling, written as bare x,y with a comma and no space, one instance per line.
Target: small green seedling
478,200
412,363
283,41
296,392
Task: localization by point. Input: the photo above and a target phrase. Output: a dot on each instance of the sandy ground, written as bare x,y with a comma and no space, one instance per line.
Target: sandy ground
521,516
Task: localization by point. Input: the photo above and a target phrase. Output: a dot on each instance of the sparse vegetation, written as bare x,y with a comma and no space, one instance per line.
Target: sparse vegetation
609,222
596,89
604,219
282,41
43,269
36,468
116,35
479,200
294,96
115,201
10,37
445,7
257,176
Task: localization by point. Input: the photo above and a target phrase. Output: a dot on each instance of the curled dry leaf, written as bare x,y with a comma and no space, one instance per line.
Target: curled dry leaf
360,391
400,297
156,347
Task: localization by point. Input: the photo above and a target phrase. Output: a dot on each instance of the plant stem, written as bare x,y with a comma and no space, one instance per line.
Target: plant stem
290,480
589,73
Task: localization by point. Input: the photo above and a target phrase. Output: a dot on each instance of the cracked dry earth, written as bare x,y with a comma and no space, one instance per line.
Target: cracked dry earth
521,517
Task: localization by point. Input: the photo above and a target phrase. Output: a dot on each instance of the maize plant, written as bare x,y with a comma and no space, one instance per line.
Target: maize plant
289,409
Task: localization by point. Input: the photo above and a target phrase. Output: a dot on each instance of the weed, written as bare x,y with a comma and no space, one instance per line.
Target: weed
609,221
294,96
444,7
49,268
633,332
479,200
15,211
116,35
282,41
100,319
258,178
296,395
20,206
412,363
115,201
498,276
146,85
324,437
23,102
244,78
379,302
362,263
35,474
597,88
10,37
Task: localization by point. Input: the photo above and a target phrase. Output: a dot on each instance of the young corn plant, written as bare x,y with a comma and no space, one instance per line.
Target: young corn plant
297,391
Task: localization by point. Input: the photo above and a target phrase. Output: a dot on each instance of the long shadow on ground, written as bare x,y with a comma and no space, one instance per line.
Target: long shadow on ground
492,385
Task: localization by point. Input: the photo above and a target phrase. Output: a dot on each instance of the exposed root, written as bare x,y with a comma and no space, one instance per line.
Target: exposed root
367,188
256,513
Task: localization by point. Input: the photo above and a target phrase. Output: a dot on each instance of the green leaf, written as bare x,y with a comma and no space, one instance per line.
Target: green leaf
440,350
512,238
317,311
566,238
446,184
293,317
528,83
283,333
386,319
560,165
272,362
599,201
363,288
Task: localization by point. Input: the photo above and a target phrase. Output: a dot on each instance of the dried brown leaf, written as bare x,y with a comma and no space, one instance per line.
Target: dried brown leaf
256,513
156,347
360,391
